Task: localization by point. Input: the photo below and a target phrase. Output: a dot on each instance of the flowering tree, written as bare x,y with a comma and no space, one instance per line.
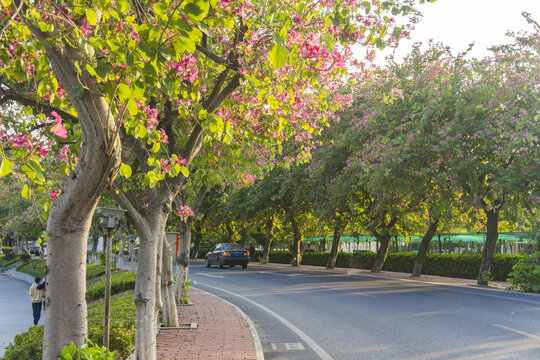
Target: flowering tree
176,72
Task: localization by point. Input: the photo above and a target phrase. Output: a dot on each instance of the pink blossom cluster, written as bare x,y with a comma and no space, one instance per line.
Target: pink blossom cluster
185,212
242,8
164,166
186,69
248,178
20,141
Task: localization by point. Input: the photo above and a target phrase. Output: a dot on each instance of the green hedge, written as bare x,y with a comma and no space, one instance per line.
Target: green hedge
94,270
120,281
465,266
122,328
28,345
9,262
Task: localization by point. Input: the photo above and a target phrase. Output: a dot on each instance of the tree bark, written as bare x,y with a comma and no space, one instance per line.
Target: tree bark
382,253
492,235
297,235
424,246
170,314
122,245
269,239
197,242
182,262
336,244
93,257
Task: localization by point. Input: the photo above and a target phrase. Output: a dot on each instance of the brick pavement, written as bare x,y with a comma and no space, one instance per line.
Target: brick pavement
222,332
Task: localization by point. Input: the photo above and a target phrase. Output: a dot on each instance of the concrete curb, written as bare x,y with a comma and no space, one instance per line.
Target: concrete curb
256,339
22,276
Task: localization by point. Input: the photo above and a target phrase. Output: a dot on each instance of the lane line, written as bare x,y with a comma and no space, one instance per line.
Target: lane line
211,275
532,336
309,341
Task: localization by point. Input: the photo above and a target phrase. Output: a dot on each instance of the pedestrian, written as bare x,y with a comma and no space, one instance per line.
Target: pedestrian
36,295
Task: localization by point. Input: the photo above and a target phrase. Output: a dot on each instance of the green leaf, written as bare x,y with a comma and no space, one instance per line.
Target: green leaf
132,107
160,8
184,170
123,6
91,17
25,192
6,167
278,56
125,170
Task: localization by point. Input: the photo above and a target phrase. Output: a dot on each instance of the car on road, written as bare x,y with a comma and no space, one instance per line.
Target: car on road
227,254
35,249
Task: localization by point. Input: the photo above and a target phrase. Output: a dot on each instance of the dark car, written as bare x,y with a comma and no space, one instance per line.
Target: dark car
227,254
35,249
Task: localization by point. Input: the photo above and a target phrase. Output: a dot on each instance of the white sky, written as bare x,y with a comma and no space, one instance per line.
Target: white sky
457,23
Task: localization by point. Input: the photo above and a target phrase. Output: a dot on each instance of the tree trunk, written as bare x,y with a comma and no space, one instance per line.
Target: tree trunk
269,239
336,244
71,213
182,262
197,241
157,285
424,246
122,245
266,251
244,238
170,315
492,235
382,253
145,300
297,239
134,259
93,257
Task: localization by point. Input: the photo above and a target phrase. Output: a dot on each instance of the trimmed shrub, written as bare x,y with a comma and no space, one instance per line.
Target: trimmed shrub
94,271
122,326
120,281
27,345
33,267
362,260
465,266
280,257
315,259
10,262
525,274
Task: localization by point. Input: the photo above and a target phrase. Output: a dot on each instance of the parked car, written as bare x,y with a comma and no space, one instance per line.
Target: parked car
227,254
35,249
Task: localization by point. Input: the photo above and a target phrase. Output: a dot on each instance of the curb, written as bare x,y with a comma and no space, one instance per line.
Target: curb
256,339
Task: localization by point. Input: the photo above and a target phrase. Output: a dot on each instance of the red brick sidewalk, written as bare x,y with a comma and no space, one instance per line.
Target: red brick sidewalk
222,332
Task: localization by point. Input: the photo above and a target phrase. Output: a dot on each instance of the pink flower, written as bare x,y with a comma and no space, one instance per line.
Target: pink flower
58,129
54,194
185,212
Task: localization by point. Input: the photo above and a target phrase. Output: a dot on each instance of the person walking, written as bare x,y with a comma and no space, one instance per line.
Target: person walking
36,295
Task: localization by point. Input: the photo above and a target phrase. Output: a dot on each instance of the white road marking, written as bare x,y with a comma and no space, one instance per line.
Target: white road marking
309,341
282,274
532,336
211,275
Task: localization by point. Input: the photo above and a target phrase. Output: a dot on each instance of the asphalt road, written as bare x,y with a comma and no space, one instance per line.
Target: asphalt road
309,314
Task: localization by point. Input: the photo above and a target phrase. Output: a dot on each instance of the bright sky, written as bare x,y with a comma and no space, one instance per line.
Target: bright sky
457,23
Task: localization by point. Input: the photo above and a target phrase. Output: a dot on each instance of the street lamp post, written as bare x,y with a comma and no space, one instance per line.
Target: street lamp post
109,217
